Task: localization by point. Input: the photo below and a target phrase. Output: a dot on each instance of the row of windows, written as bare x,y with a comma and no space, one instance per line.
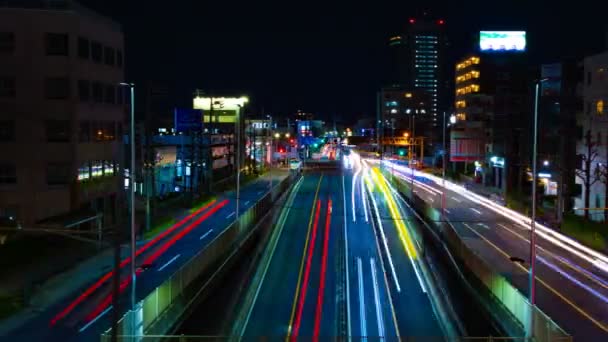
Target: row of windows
96,168
58,88
473,88
98,131
98,53
99,92
56,173
58,44
59,131
59,173
467,76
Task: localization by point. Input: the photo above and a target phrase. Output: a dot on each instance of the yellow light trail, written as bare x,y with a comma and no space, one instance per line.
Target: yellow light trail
404,235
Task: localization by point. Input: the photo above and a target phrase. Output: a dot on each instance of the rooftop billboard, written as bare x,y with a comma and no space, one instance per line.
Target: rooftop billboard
499,41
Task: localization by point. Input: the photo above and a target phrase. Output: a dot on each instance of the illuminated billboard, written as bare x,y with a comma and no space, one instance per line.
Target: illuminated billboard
219,109
502,41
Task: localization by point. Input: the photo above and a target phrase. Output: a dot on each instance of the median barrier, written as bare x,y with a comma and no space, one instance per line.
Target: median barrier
163,307
510,308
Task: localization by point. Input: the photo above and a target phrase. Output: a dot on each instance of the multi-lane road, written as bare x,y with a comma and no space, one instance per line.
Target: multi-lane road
571,280
86,313
341,261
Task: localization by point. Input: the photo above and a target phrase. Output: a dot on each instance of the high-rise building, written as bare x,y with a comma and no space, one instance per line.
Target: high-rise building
418,57
62,112
492,112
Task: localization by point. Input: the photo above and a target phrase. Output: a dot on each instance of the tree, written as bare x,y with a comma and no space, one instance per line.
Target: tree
603,172
584,172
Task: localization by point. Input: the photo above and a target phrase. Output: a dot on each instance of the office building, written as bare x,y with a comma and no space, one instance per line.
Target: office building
492,114
63,112
418,57
560,102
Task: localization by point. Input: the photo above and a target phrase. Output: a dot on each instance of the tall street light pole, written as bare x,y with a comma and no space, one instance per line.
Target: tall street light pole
532,272
132,197
444,162
238,159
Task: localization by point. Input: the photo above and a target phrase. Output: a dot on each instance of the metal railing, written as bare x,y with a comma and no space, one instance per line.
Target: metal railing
501,292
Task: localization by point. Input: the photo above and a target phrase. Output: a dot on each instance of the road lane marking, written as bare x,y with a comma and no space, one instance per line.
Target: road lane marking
95,319
246,202
321,289
305,279
483,225
295,297
384,241
379,319
349,332
361,299
574,280
446,210
365,206
570,265
386,282
274,243
231,214
205,235
260,192
456,199
555,292
169,262
475,210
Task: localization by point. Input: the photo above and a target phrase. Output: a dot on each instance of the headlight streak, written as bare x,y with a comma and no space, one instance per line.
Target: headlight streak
402,231
560,240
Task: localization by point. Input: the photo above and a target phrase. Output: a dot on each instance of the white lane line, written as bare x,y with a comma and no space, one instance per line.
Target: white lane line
456,199
361,299
281,225
365,208
231,214
246,202
384,241
205,235
377,299
352,194
95,319
475,210
346,261
483,225
260,192
168,262
446,210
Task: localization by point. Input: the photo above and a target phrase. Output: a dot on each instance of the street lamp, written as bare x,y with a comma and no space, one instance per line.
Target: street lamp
277,135
534,180
287,135
132,196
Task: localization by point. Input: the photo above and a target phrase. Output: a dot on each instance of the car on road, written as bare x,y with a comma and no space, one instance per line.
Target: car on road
295,164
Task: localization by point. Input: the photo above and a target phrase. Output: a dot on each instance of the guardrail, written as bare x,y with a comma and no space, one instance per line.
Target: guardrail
164,306
528,319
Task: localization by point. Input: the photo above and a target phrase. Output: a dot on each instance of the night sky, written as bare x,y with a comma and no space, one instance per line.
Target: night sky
322,57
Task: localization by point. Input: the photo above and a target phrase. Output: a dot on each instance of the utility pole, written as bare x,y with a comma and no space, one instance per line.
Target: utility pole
444,162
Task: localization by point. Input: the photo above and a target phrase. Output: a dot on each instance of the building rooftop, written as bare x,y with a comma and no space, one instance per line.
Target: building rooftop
58,5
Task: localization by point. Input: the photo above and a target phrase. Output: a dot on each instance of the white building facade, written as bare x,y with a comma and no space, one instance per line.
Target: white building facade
593,120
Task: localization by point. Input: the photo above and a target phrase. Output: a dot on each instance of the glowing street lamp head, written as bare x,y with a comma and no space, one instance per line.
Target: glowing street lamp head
406,134
277,135
287,135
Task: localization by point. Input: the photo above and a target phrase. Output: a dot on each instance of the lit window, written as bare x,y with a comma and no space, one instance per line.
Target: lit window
599,106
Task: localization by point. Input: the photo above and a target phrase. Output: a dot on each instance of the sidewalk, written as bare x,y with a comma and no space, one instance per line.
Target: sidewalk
61,284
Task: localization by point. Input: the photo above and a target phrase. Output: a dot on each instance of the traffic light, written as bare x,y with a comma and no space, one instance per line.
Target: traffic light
315,145
401,152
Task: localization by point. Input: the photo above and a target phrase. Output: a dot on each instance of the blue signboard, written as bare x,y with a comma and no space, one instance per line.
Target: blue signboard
187,119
